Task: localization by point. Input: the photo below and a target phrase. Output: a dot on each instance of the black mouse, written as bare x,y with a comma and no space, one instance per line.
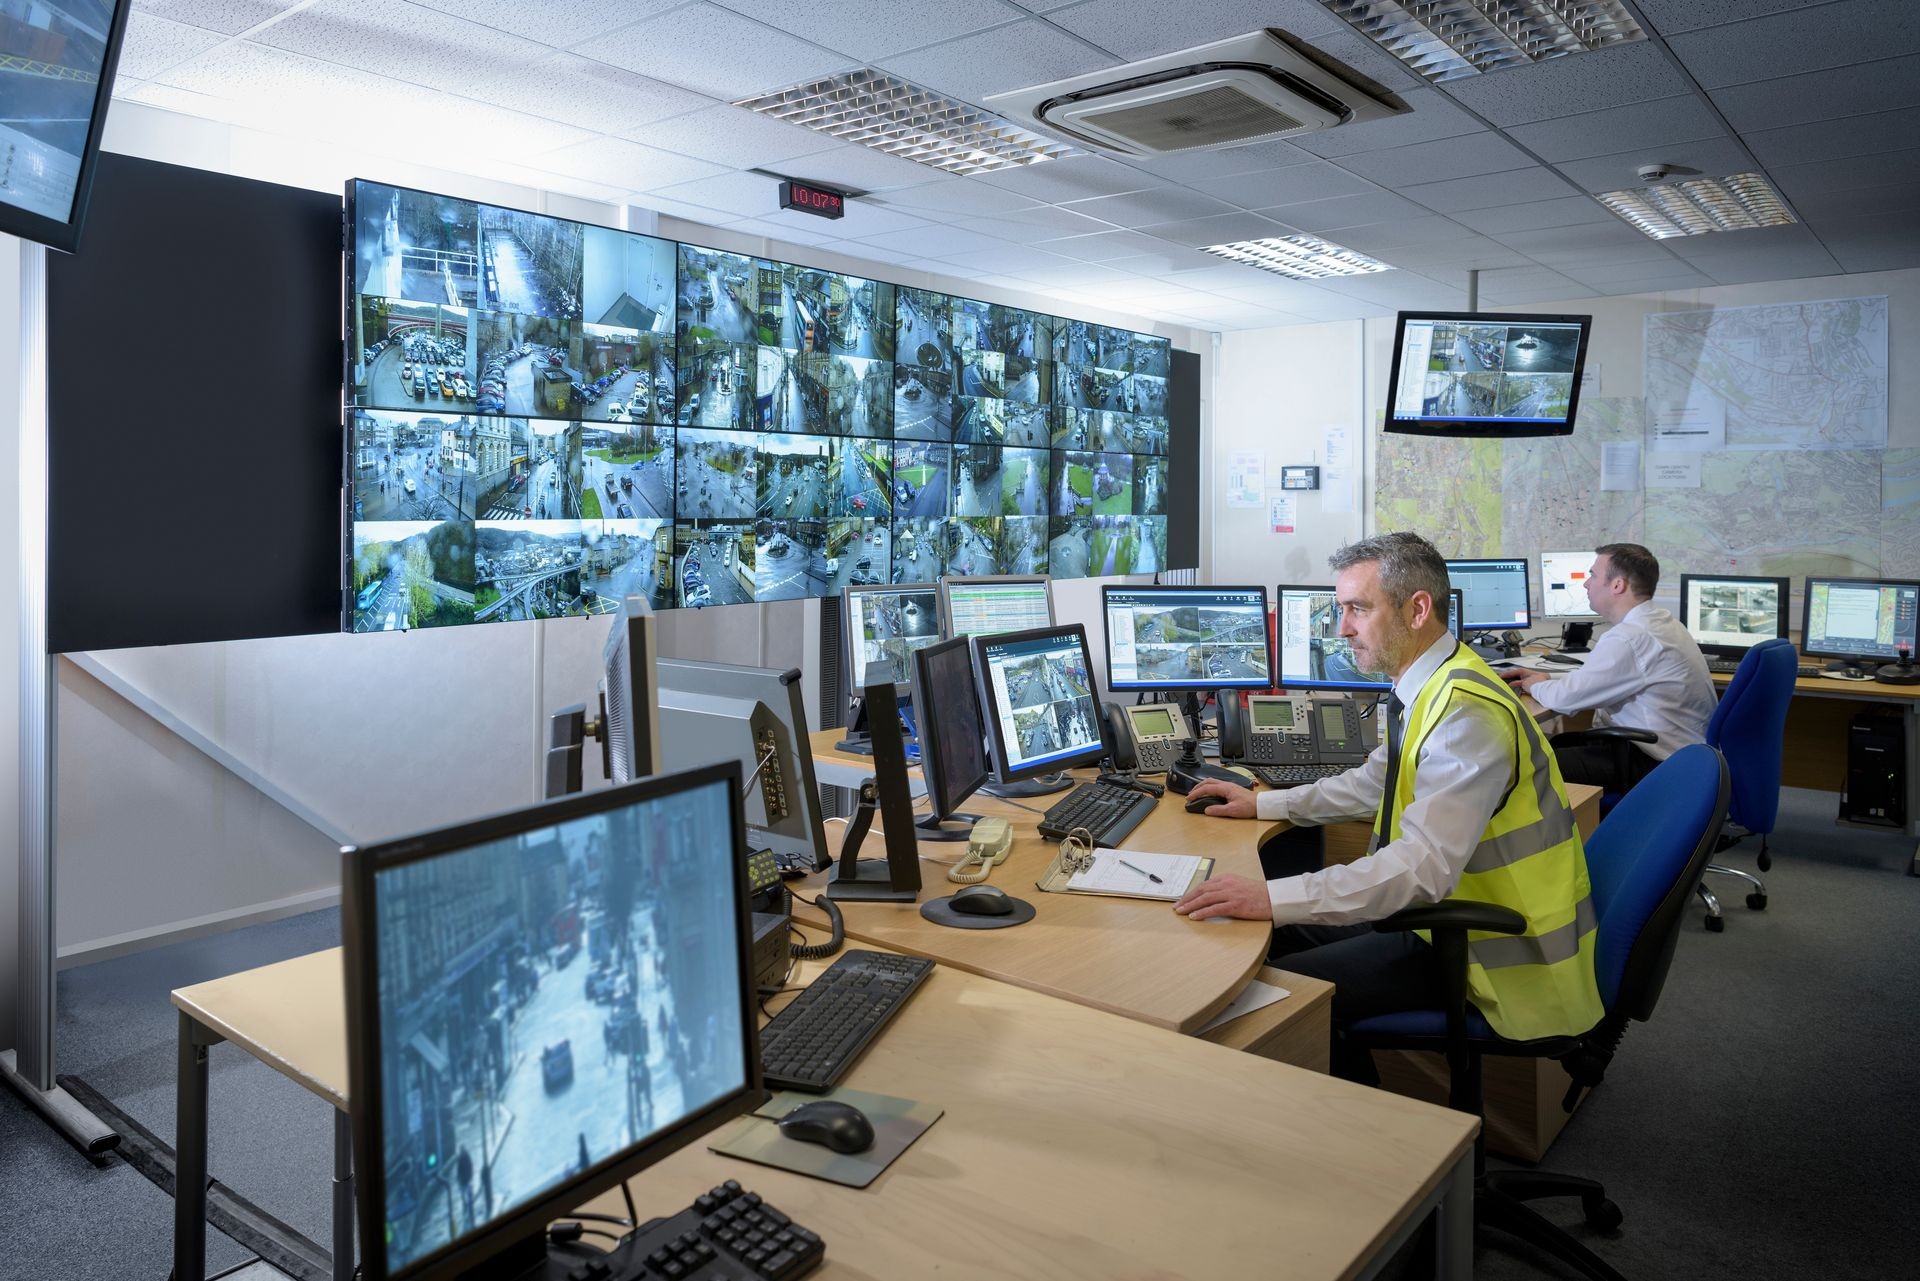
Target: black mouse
1201,804
839,1126
981,900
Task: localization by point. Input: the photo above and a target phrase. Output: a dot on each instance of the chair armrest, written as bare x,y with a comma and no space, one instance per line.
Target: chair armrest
1461,915
1604,734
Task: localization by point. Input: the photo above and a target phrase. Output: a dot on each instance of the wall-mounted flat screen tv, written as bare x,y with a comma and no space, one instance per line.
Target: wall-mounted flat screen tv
1461,373
57,63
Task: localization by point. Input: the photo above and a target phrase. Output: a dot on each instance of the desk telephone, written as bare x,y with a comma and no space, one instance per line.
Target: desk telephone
1294,729
1145,738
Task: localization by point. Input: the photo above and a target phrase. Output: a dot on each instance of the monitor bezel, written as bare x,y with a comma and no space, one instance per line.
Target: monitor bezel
1806,616
990,708
1500,625
975,580
1544,611
64,234
1484,427
1782,631
903,687
1175,589
359,933
927,710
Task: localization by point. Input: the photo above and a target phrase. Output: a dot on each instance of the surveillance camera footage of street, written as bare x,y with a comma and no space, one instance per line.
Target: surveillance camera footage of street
885,627
776,431
45,114
546,1001
1453,369
1173,637
1042,695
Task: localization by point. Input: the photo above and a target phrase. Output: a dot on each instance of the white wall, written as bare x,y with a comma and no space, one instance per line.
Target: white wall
9,643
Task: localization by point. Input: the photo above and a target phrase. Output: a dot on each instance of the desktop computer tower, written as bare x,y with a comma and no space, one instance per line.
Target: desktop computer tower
1876,770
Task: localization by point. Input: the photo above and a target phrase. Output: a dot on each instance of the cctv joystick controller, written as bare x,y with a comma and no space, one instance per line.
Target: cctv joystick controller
1190,770
1900,673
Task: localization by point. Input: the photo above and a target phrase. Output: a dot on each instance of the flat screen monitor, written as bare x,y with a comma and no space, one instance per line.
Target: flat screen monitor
630,710
1186,638
1728,614
57,64
1313,654
493,1093
1860,619
985,606
1458,373
1037,693
952,733
1493,593
1563,584
884,625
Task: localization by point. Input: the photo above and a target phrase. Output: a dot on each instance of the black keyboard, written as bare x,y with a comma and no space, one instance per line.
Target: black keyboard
727,1234
1106,810
1728,666
1295,775
811,1044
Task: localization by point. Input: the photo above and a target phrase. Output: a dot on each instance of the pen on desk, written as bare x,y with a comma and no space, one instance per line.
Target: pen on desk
1143,871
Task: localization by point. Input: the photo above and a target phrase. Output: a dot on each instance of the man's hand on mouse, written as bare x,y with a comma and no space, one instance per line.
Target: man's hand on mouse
1229,895
1239,800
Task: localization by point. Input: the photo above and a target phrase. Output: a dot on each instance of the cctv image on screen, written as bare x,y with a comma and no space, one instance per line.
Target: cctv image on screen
1043,695
1453,370
884,628
1193,637
408,574
715,562
547,1001
1732,612
1311,648
53,55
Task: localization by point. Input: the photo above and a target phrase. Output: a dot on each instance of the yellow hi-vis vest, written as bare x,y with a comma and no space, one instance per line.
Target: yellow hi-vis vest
1540,982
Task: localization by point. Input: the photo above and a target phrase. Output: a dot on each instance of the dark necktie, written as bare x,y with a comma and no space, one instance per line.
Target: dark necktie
1390,794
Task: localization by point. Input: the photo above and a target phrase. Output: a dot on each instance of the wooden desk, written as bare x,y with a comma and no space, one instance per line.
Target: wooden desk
1075,1144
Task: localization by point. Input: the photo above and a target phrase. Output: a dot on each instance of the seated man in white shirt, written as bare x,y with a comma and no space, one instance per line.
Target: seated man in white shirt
1645,672
1466,802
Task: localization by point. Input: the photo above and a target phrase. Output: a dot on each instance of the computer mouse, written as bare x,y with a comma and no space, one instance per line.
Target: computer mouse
839,1126
981,900
1201,804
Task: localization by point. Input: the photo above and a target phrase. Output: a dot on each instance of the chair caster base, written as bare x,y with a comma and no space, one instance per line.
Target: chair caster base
1758,902
1602,1214
1765,861
1715,924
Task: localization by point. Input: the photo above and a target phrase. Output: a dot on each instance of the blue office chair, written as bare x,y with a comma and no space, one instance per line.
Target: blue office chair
1643,862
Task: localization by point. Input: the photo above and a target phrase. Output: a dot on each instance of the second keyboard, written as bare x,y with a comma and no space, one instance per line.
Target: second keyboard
1107,811
811,1044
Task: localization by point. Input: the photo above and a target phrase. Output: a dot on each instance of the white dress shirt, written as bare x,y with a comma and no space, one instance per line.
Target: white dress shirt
1645,672
1465,767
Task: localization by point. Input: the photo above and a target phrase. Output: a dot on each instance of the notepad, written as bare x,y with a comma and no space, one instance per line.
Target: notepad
1110,874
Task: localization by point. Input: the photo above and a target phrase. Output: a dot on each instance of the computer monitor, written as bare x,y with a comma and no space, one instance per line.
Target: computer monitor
953,754
884,624
1563,584
491,1092
985,605
1186,638
629,709
1494,593
1313,654
1457,373
1728,614
1861,621
1037,693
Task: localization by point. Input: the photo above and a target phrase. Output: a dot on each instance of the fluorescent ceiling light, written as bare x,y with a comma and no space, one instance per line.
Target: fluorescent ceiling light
1298,257
1447,39
904,119
1700,205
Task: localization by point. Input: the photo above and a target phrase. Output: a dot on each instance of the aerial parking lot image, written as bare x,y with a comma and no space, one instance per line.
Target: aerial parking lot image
414,355
713,562
417,246
618,376
627,467
529,366
715,475
528,569
411,574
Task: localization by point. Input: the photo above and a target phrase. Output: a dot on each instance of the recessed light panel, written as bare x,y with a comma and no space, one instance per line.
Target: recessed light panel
1701,205
1448,39
1298,257
907,120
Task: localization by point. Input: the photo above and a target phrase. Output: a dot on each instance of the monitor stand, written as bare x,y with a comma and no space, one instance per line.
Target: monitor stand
859,739
897,878
954,827
1040,785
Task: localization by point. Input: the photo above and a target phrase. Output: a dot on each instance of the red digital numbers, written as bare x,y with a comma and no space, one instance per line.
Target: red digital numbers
798,195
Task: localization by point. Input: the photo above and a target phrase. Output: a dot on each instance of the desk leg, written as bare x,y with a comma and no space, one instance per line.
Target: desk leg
1913,780
1453,1224
342,1196
190,1152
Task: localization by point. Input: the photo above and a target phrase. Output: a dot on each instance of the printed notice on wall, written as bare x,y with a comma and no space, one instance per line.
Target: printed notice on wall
1246,479
1619,466
1699,424
1280,513
1337,472
1673,470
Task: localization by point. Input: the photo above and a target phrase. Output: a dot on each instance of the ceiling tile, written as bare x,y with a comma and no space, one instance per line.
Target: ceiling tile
1028,52
1752,241
1879,242
1105,246
1860,202
873,29
1670,16
1136,29
1321,216
1042,222
1220,230
778,228
641,168
864,218
1161,204
1715,157
1073,273
1219,163
1431,115
714,51
548,23
855,168
1603,78
1569,292
934,241
1018,259
1847,173
1784,44
154,44
1538,215
1070,178
1648,284
735,137
1411,231
685,211
1610,235
1741,269
1607,275
1440,160
1351,49
1317,180
1822,95
405,43
580,91
1515,186
1628,128
1454,257
1395,290
1167,258
228,17
948,200
1829,139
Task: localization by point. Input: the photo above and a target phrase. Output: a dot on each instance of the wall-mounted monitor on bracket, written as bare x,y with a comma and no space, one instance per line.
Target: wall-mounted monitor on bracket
1461,373
57,64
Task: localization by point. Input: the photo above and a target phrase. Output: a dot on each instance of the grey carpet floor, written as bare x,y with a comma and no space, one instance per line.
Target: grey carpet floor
1761,1127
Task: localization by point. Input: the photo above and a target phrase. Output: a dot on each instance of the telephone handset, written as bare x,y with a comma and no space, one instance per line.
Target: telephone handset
1146,737
1295,729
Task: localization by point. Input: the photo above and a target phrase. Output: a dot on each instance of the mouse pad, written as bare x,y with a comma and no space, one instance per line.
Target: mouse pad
940,912
896,1124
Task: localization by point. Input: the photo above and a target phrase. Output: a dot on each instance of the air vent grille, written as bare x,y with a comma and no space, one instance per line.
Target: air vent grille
1222,114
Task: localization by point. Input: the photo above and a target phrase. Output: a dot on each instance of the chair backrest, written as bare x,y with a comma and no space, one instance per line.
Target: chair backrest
1749,727
1642,864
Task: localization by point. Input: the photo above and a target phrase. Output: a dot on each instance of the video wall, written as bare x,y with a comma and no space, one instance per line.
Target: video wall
546,416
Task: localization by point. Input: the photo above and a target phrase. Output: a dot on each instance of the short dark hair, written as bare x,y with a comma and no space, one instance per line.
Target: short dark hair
1408,564
1634,563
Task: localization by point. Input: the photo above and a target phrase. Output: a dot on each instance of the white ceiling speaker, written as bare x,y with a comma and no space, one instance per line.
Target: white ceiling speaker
1261,85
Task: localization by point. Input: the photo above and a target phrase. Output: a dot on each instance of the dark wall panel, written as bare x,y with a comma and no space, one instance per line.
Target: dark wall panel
1183,432
194,400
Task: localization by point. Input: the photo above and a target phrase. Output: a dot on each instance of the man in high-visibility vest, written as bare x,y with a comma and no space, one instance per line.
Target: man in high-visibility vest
1467,804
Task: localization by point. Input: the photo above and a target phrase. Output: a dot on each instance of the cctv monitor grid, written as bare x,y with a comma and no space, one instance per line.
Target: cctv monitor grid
546,415
1463,370
1180,638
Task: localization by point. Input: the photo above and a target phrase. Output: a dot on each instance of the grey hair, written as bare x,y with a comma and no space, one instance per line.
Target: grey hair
1408,564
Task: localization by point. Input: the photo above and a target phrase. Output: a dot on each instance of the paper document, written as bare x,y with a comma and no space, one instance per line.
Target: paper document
1619,466
1254,996
1673,469
1111,875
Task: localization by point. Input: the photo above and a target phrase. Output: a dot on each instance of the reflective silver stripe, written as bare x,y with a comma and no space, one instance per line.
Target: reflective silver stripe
1550,948
1556,820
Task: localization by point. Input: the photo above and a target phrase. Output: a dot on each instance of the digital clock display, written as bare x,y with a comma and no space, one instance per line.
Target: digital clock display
811,199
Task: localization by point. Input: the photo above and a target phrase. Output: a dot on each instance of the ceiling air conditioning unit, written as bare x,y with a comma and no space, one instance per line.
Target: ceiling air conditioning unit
1262,85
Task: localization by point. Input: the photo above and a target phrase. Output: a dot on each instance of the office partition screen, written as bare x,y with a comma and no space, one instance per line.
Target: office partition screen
545,417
